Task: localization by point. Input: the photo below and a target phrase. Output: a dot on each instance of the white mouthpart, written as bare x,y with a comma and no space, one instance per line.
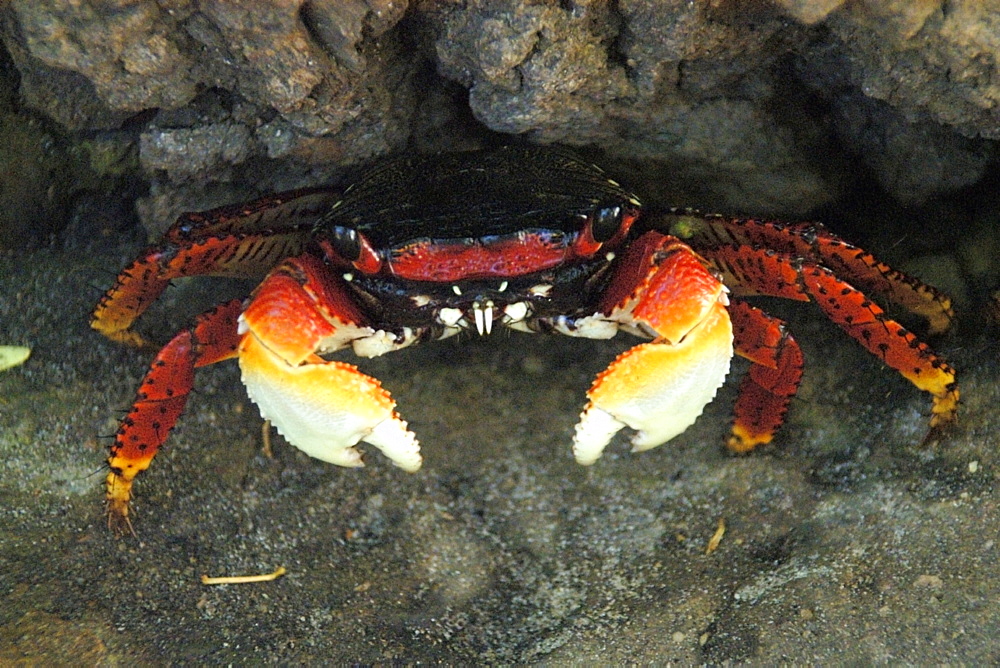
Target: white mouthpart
483,314
540,290
516,312
449,316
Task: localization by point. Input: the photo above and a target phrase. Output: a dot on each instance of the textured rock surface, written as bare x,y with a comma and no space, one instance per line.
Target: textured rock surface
848,541
754,106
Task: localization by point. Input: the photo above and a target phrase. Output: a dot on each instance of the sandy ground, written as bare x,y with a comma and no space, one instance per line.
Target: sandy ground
849,540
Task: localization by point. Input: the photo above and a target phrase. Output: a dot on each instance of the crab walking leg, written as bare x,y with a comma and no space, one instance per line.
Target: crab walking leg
323,408
820,246
139,284
888,340
768,273
161,398
658,388
237,240
281,211
771,382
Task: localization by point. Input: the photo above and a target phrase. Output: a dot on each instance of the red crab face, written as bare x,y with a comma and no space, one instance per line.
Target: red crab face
470,243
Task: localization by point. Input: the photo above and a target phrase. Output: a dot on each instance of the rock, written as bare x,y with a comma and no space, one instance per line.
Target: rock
763,108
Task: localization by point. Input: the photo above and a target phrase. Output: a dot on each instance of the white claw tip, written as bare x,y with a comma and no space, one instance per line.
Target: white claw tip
593,432
397,443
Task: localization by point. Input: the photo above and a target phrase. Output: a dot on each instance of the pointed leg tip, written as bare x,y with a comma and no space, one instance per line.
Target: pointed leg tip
743,441
117,495
937,432
120,524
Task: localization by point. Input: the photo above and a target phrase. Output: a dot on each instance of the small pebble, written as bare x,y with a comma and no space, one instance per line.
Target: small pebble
930,581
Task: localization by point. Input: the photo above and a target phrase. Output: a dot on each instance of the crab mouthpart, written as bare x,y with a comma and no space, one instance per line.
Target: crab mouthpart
483,314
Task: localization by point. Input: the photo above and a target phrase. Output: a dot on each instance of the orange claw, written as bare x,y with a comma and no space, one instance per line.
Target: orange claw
323,408
659,388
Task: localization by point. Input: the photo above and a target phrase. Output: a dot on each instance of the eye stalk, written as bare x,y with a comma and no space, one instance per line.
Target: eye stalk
605,223
346,242
347,245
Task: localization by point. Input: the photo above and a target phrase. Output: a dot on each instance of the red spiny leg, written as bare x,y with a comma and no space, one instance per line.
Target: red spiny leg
141,283
161,398
771,382
765,272
886,339
279,212
815,243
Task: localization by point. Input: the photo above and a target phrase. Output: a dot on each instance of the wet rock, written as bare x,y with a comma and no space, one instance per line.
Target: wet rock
675,84
100,65
194,152
762,108
914,161
133,54
926,59
36,183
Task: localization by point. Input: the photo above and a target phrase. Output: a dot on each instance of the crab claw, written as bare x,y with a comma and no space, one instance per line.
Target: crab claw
325,408
659,388
322,407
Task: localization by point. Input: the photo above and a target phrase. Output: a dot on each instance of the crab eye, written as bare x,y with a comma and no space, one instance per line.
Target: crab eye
346,242
605,223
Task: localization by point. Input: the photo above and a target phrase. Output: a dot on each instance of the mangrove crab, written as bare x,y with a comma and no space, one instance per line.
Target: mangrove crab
533,239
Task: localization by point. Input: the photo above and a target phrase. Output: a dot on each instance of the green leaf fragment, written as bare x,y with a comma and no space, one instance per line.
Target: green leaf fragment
11,356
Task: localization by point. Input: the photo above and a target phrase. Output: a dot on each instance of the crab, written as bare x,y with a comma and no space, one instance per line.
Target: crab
533,239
